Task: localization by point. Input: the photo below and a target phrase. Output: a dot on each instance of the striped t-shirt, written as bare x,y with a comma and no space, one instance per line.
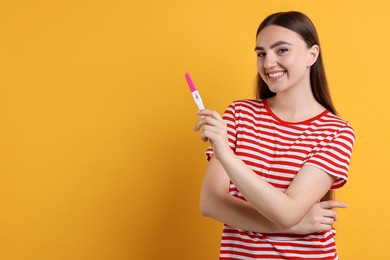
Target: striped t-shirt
277,150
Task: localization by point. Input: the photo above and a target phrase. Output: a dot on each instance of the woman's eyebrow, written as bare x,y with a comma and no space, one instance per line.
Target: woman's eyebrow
276,44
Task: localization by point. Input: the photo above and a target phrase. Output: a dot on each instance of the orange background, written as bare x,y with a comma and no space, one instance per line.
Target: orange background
98,158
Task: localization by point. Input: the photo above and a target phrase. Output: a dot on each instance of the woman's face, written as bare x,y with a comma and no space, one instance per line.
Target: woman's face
283,59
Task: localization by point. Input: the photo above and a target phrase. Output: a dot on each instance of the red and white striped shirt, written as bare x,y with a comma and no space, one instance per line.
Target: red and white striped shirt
276,150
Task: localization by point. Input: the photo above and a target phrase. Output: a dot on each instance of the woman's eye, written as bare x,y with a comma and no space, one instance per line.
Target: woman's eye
283,50
260,54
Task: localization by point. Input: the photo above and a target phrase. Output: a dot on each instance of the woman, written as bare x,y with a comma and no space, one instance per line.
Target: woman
274,158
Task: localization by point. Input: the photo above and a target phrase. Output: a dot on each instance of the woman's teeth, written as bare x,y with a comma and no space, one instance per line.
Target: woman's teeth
276,74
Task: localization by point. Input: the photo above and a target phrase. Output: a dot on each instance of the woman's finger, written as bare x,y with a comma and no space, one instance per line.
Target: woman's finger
203,121
330,214
328,221
209,121
323,227
209,113
332,204
199,124
207,135
212,133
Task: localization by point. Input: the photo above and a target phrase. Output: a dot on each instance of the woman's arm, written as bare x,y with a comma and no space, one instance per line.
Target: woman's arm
215,202
285,210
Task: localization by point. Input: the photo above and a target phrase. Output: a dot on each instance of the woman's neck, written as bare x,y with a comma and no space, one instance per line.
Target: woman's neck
295,107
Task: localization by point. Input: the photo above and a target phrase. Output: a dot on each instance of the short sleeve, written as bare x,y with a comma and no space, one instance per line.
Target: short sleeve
334,156
230,118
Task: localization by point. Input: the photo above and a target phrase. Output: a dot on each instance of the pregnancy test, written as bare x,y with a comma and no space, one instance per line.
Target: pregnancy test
195,93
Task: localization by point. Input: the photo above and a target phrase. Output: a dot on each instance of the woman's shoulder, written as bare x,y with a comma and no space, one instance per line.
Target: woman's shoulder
251,108
335,119
252,104
335,122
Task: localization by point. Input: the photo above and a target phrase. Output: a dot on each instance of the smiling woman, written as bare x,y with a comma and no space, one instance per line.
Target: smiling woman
274,158
283,64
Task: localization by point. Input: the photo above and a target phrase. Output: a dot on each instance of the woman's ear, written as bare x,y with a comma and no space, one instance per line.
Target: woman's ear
314,51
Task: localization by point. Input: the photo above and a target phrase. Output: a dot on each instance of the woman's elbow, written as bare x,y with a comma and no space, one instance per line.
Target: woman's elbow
210,202
286,221
204,211
204,206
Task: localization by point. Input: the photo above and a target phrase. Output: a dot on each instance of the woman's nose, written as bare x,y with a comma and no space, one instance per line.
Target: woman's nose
269,61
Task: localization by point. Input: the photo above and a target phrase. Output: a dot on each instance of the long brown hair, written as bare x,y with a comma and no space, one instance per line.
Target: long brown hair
303,26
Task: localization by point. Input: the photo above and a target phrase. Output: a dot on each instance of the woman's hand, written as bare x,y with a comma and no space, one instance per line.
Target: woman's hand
320,218
214,129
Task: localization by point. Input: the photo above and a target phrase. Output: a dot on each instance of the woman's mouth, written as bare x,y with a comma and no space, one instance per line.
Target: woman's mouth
276,75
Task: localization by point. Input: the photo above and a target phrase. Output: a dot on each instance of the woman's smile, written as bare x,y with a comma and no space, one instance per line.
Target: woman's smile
276,75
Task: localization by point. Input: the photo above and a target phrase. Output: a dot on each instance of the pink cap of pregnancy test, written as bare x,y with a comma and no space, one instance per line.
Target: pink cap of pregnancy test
190,83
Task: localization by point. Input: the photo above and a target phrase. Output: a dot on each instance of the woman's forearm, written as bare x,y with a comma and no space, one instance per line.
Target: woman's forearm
216,203
237,213
240,214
